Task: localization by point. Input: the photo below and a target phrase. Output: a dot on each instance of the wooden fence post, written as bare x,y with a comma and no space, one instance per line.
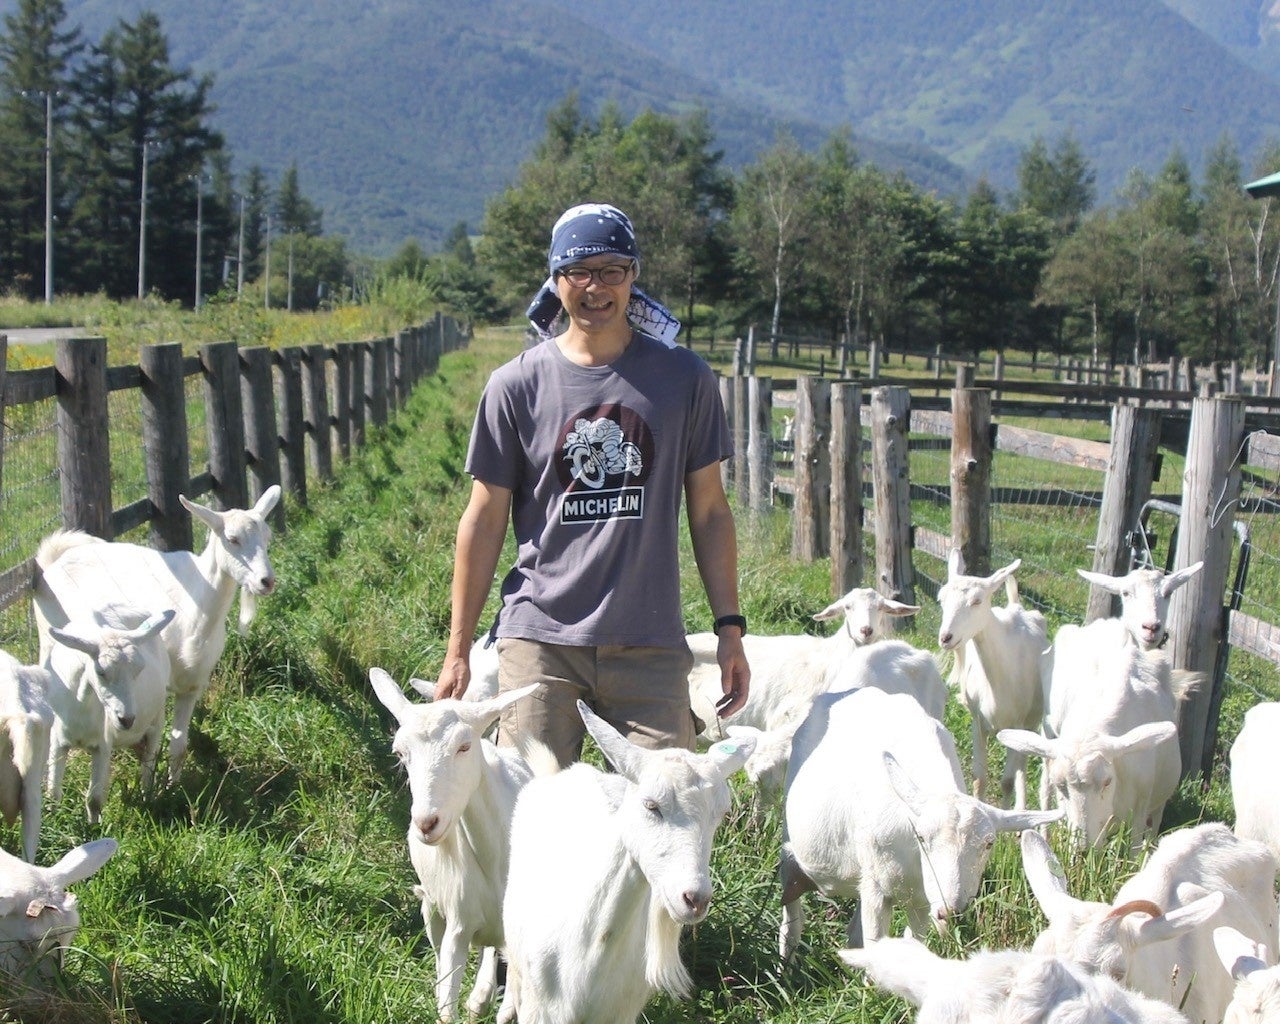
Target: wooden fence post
890,421
1135,438
84,452
751,350
726,400
760,441
4,374
293,424
262,437
1210,489
375,394
316,411
998,373
400,371
846,488
166,444
355,399
342,398
844,354
741,424
873,360
811,519
224,422
971,478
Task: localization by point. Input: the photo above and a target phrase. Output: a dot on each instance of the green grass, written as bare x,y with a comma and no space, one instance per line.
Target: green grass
273,884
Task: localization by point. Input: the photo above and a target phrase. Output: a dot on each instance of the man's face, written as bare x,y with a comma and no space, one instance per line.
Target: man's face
592,304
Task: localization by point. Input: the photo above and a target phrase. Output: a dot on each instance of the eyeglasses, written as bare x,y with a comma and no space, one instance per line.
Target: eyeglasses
613,274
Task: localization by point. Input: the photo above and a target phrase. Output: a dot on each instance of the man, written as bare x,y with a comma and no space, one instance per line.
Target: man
586,443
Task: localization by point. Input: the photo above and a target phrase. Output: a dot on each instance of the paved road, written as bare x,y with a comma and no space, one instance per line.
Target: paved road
39,335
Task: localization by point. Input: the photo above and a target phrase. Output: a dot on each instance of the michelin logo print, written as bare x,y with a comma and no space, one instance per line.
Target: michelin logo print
604,465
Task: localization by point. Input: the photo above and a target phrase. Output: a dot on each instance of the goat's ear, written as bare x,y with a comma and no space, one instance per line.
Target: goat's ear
1141,737
1000,575
70,636
626,757
890,607
908,792
267,502
423,687
1023,821
1176,579
1240,955
905,966
1180,920
481,714
1024,741
83,861
1111,584
388,691
955,563
729,755
153,625
206,515
1045,875
831,611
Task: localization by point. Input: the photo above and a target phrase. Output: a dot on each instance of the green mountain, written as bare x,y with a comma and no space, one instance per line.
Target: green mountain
977,79
404,116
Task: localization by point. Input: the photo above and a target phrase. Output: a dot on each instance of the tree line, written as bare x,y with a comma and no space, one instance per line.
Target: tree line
824,242
131,138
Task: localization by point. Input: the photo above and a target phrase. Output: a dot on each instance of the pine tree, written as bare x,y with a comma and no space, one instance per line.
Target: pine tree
37,54
295,214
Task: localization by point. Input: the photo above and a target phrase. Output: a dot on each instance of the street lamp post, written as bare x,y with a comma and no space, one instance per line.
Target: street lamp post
240,253
1261,189
266,290
199,180
48,95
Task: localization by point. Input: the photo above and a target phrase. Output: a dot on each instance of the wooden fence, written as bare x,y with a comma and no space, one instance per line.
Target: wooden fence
272,416
1217,435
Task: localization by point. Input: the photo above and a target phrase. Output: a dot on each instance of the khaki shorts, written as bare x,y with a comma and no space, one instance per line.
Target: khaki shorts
643,692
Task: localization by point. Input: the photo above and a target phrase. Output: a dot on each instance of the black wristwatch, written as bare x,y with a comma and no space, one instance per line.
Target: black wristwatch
731,620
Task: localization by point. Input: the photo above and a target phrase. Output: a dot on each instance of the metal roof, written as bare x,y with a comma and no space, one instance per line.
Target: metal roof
1263,187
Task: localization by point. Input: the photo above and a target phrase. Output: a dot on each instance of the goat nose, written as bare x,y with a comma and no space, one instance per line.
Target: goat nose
268,584
944,639
696,901
427,825
942,914
866,632
126,721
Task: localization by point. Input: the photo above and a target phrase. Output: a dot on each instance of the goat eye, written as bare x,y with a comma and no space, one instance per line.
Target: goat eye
975,601
652,807
464,748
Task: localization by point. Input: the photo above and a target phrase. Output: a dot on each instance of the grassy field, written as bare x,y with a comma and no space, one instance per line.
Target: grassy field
273,884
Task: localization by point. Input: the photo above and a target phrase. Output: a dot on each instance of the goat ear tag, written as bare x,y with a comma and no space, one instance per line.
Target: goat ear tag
728,747
37,907
1055,869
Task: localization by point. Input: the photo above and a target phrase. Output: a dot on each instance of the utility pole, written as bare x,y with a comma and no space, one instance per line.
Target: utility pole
48,196
266,290
142,224
290,271
240,253
199,180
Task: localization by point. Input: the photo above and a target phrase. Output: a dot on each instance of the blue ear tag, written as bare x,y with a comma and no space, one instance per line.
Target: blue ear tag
727,747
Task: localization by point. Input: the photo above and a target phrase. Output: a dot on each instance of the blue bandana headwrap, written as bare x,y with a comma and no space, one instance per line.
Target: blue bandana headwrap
589,230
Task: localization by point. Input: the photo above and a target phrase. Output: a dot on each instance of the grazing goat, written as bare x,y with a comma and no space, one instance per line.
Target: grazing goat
464,790
1153,938
1144,599
1255,765
1111,736
107,689
605,871
1256,999
83,577
1002,987
38,917
858,823
997,666
26,721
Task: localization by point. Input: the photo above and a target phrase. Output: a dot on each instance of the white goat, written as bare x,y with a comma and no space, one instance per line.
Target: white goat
83,577
1002,987
464,790
605,871
1152,937
38,917
26,721
484,671
789,670
1111,745
857,823
1144,599
997,666
1256,999
892,666
1255,766
107,689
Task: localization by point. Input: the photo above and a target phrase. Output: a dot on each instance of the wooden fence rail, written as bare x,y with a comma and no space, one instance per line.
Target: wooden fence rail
271,417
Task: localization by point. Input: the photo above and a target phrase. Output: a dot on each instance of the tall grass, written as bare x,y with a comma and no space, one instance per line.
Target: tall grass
273,884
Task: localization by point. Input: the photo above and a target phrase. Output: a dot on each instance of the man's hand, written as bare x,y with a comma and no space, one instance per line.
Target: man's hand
735,673
455,676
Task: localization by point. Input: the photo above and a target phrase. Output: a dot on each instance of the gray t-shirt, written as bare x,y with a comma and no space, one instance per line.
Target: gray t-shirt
596,458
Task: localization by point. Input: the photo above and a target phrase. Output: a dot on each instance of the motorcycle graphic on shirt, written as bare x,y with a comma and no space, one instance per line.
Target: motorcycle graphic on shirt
605,456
